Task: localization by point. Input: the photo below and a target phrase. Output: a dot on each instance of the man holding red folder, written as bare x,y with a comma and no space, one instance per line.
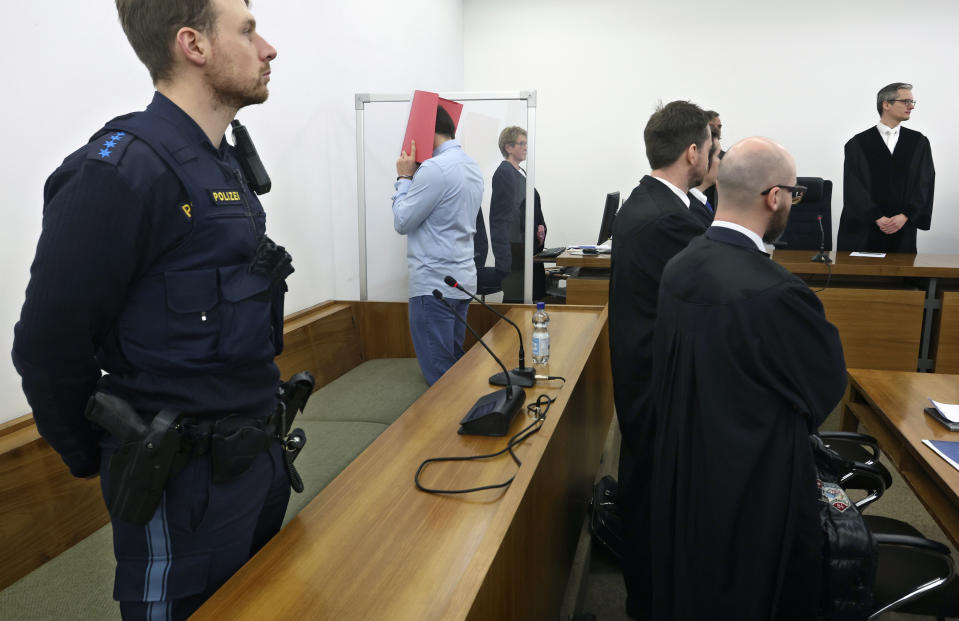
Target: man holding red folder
435,206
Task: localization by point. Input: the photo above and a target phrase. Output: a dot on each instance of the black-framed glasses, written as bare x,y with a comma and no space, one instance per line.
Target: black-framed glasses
796,190
906,101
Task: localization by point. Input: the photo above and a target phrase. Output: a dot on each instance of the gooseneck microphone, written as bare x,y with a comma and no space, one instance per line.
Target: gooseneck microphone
821,256
492,414
521,375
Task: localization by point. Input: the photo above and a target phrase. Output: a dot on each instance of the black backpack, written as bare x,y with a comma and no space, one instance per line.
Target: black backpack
849,549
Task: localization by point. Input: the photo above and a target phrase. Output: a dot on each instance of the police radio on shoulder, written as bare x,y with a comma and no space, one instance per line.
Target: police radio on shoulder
256,175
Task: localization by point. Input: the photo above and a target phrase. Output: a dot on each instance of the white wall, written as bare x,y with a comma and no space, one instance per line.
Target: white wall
805,74
69,69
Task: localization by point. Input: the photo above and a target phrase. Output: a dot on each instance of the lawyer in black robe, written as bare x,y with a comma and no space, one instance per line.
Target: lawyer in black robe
877,183
746,366
652,226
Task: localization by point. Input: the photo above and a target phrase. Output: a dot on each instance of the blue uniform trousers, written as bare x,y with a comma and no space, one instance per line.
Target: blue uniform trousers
437,334
200,535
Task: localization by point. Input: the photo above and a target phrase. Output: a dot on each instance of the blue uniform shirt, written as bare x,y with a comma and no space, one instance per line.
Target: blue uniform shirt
437,212
114,215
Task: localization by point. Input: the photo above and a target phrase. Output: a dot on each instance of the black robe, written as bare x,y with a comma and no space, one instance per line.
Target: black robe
877,183
652,226
746,366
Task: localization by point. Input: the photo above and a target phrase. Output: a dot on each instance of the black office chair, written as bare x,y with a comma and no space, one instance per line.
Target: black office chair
913,574
488,282
802,229
925,565
863,450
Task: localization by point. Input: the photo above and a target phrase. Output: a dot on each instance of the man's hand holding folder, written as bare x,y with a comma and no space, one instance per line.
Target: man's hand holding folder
406,164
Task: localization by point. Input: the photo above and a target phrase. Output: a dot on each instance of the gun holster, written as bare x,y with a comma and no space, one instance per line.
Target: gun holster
272,260
293,395
234,444
145,460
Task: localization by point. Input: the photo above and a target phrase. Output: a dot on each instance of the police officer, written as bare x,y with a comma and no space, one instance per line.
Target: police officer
144,269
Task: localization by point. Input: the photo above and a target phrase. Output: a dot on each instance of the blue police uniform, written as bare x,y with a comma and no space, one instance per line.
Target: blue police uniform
142,270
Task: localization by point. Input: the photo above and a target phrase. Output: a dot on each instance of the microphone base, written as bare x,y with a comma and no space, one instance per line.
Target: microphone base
493,413
520,376
821,257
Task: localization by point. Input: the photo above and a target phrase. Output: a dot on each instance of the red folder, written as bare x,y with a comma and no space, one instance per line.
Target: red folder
421,125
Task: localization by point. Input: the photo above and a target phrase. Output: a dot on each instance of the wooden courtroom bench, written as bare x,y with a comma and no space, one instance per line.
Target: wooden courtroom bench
363,360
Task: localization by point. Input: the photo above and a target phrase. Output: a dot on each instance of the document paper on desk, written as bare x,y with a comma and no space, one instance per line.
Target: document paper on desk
949,411
875,255
945,449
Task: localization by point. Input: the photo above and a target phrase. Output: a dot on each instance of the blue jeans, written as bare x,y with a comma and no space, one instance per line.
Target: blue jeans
437,335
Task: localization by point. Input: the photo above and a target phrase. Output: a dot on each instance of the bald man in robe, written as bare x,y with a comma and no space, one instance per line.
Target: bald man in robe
745,367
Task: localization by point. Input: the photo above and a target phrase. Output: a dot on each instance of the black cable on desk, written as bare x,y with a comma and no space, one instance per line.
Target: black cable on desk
809,280
538,409
828,278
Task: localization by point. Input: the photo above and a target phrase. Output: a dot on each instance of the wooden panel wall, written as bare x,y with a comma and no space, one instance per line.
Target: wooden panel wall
384,329
879,328
43,509
587,291
947,351
323,340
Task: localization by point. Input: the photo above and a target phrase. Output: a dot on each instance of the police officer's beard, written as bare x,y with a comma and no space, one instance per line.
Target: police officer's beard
229,93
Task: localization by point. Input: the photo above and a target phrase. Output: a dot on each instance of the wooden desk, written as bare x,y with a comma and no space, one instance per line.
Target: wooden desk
591,284
887,310
595,261
371,546
889,404
900,320
892,265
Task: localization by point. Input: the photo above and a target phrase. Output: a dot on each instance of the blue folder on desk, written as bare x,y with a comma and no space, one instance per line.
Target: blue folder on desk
946,449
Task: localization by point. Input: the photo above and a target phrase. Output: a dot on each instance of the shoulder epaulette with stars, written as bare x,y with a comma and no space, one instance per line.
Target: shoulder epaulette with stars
109,147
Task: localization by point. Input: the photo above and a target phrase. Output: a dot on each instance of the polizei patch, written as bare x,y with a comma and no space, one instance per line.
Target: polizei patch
226,197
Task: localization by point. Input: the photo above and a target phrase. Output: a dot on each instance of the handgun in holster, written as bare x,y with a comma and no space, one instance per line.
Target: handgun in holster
148,455
293,395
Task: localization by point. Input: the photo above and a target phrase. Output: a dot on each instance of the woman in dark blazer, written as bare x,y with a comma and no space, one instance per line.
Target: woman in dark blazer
507,219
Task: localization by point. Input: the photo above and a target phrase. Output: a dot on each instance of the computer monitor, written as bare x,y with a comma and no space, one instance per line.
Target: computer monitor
609,215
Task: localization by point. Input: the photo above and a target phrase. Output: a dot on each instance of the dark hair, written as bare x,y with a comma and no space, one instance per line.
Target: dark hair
889,92
444,123
151,27
710,115
671,130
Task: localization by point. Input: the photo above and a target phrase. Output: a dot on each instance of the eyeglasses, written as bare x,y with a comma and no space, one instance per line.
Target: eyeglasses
908,102
519,144
796,190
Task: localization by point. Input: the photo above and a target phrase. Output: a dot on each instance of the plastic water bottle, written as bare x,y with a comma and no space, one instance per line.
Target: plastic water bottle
540,335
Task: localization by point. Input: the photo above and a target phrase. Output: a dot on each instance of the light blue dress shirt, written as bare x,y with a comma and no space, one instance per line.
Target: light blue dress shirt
437,212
